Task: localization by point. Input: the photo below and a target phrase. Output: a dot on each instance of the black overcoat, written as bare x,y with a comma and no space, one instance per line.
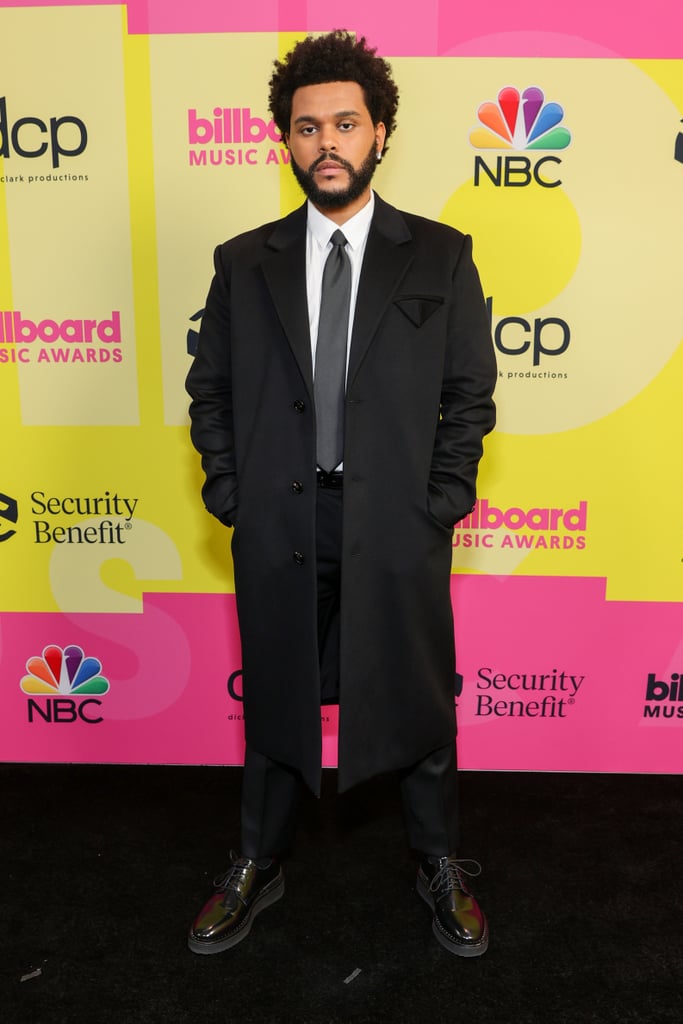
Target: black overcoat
418,404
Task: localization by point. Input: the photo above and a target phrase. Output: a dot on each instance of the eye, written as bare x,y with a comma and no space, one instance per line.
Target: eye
308,129
346,126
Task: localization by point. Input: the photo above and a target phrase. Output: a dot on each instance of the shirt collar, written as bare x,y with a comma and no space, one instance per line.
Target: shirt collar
355,229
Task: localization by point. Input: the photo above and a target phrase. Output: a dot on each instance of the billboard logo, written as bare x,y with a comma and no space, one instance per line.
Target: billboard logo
240,131
552,529
59,341
664,699
63,674
9,513
31,137
231,125
519,122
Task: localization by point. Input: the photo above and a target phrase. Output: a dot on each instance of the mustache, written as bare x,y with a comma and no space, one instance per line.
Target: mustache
329,159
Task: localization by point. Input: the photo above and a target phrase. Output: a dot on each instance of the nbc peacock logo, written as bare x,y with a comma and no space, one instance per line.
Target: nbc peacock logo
517,123
520,121
70,680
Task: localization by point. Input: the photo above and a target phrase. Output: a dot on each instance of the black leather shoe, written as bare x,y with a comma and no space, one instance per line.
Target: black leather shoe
241,893
459,923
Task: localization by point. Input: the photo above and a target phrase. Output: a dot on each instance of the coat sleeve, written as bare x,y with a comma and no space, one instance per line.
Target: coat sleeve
467,411
209,384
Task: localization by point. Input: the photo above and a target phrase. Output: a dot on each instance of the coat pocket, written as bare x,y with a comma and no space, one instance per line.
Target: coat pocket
418,308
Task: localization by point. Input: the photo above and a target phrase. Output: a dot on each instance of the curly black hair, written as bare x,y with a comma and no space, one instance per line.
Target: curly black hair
335,57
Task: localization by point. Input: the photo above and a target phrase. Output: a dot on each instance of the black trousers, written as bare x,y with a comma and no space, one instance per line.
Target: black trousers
271,791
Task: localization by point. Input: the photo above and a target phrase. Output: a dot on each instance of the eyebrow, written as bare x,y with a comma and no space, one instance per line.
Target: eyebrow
340,113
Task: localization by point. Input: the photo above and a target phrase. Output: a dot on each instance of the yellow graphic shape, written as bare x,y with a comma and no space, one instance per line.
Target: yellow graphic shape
609,431
594,261
208,191
291,195
528,241
9,389
75,570
69,225
138,108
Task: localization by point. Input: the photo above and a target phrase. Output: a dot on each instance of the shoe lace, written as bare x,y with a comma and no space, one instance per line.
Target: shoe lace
450,875
231,878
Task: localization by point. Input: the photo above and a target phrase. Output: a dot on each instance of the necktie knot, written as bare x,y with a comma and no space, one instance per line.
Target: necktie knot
338,238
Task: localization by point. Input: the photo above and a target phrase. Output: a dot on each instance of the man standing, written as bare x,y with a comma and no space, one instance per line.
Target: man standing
340,394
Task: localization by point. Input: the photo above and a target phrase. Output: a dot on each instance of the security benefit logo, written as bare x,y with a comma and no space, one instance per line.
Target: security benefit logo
64,686
526,694
664,697
81,519
32,142
233,137
9,516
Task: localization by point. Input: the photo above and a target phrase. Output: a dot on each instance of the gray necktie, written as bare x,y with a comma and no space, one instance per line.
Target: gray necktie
330,355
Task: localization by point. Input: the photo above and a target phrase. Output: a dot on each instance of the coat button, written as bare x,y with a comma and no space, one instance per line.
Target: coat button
298,558
298,406
297,486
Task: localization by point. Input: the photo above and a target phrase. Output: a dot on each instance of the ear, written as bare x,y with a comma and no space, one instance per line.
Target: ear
380,136
285,139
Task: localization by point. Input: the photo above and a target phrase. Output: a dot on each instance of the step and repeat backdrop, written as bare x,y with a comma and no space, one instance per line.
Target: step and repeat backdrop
134,138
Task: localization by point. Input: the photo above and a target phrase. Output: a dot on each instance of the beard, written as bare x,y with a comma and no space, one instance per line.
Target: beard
336,199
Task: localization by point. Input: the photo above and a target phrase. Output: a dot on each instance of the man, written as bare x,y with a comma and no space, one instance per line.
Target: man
340,394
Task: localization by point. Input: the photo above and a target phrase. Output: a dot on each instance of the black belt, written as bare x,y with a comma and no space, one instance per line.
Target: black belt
331,481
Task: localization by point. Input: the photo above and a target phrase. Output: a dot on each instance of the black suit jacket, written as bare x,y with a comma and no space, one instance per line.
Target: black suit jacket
418,404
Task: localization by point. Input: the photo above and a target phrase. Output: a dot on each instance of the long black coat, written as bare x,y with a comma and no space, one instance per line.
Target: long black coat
418,403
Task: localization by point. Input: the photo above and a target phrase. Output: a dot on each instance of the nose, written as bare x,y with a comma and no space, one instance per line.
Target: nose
327,141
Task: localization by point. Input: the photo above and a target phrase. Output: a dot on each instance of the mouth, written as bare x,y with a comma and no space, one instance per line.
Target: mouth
328,167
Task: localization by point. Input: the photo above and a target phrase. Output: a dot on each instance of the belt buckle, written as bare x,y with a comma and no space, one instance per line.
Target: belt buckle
330,481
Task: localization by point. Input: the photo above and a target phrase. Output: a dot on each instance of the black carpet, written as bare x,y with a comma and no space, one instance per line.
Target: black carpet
103,867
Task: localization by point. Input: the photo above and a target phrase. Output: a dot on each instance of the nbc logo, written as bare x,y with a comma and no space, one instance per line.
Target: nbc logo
523,121
519,122
63,674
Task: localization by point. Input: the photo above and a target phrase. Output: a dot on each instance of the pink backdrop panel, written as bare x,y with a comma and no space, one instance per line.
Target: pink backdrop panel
168,670
529,28
597,656
556,679
175,686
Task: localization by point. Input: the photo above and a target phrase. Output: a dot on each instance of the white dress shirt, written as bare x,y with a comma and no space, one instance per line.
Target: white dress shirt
319,230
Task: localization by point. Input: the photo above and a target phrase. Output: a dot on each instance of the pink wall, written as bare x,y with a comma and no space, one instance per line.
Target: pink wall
528,28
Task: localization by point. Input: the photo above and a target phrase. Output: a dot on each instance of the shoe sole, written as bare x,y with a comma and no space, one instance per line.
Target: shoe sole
459,948
269,895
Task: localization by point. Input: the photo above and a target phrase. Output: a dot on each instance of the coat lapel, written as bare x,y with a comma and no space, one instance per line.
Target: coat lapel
387,257
284,268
